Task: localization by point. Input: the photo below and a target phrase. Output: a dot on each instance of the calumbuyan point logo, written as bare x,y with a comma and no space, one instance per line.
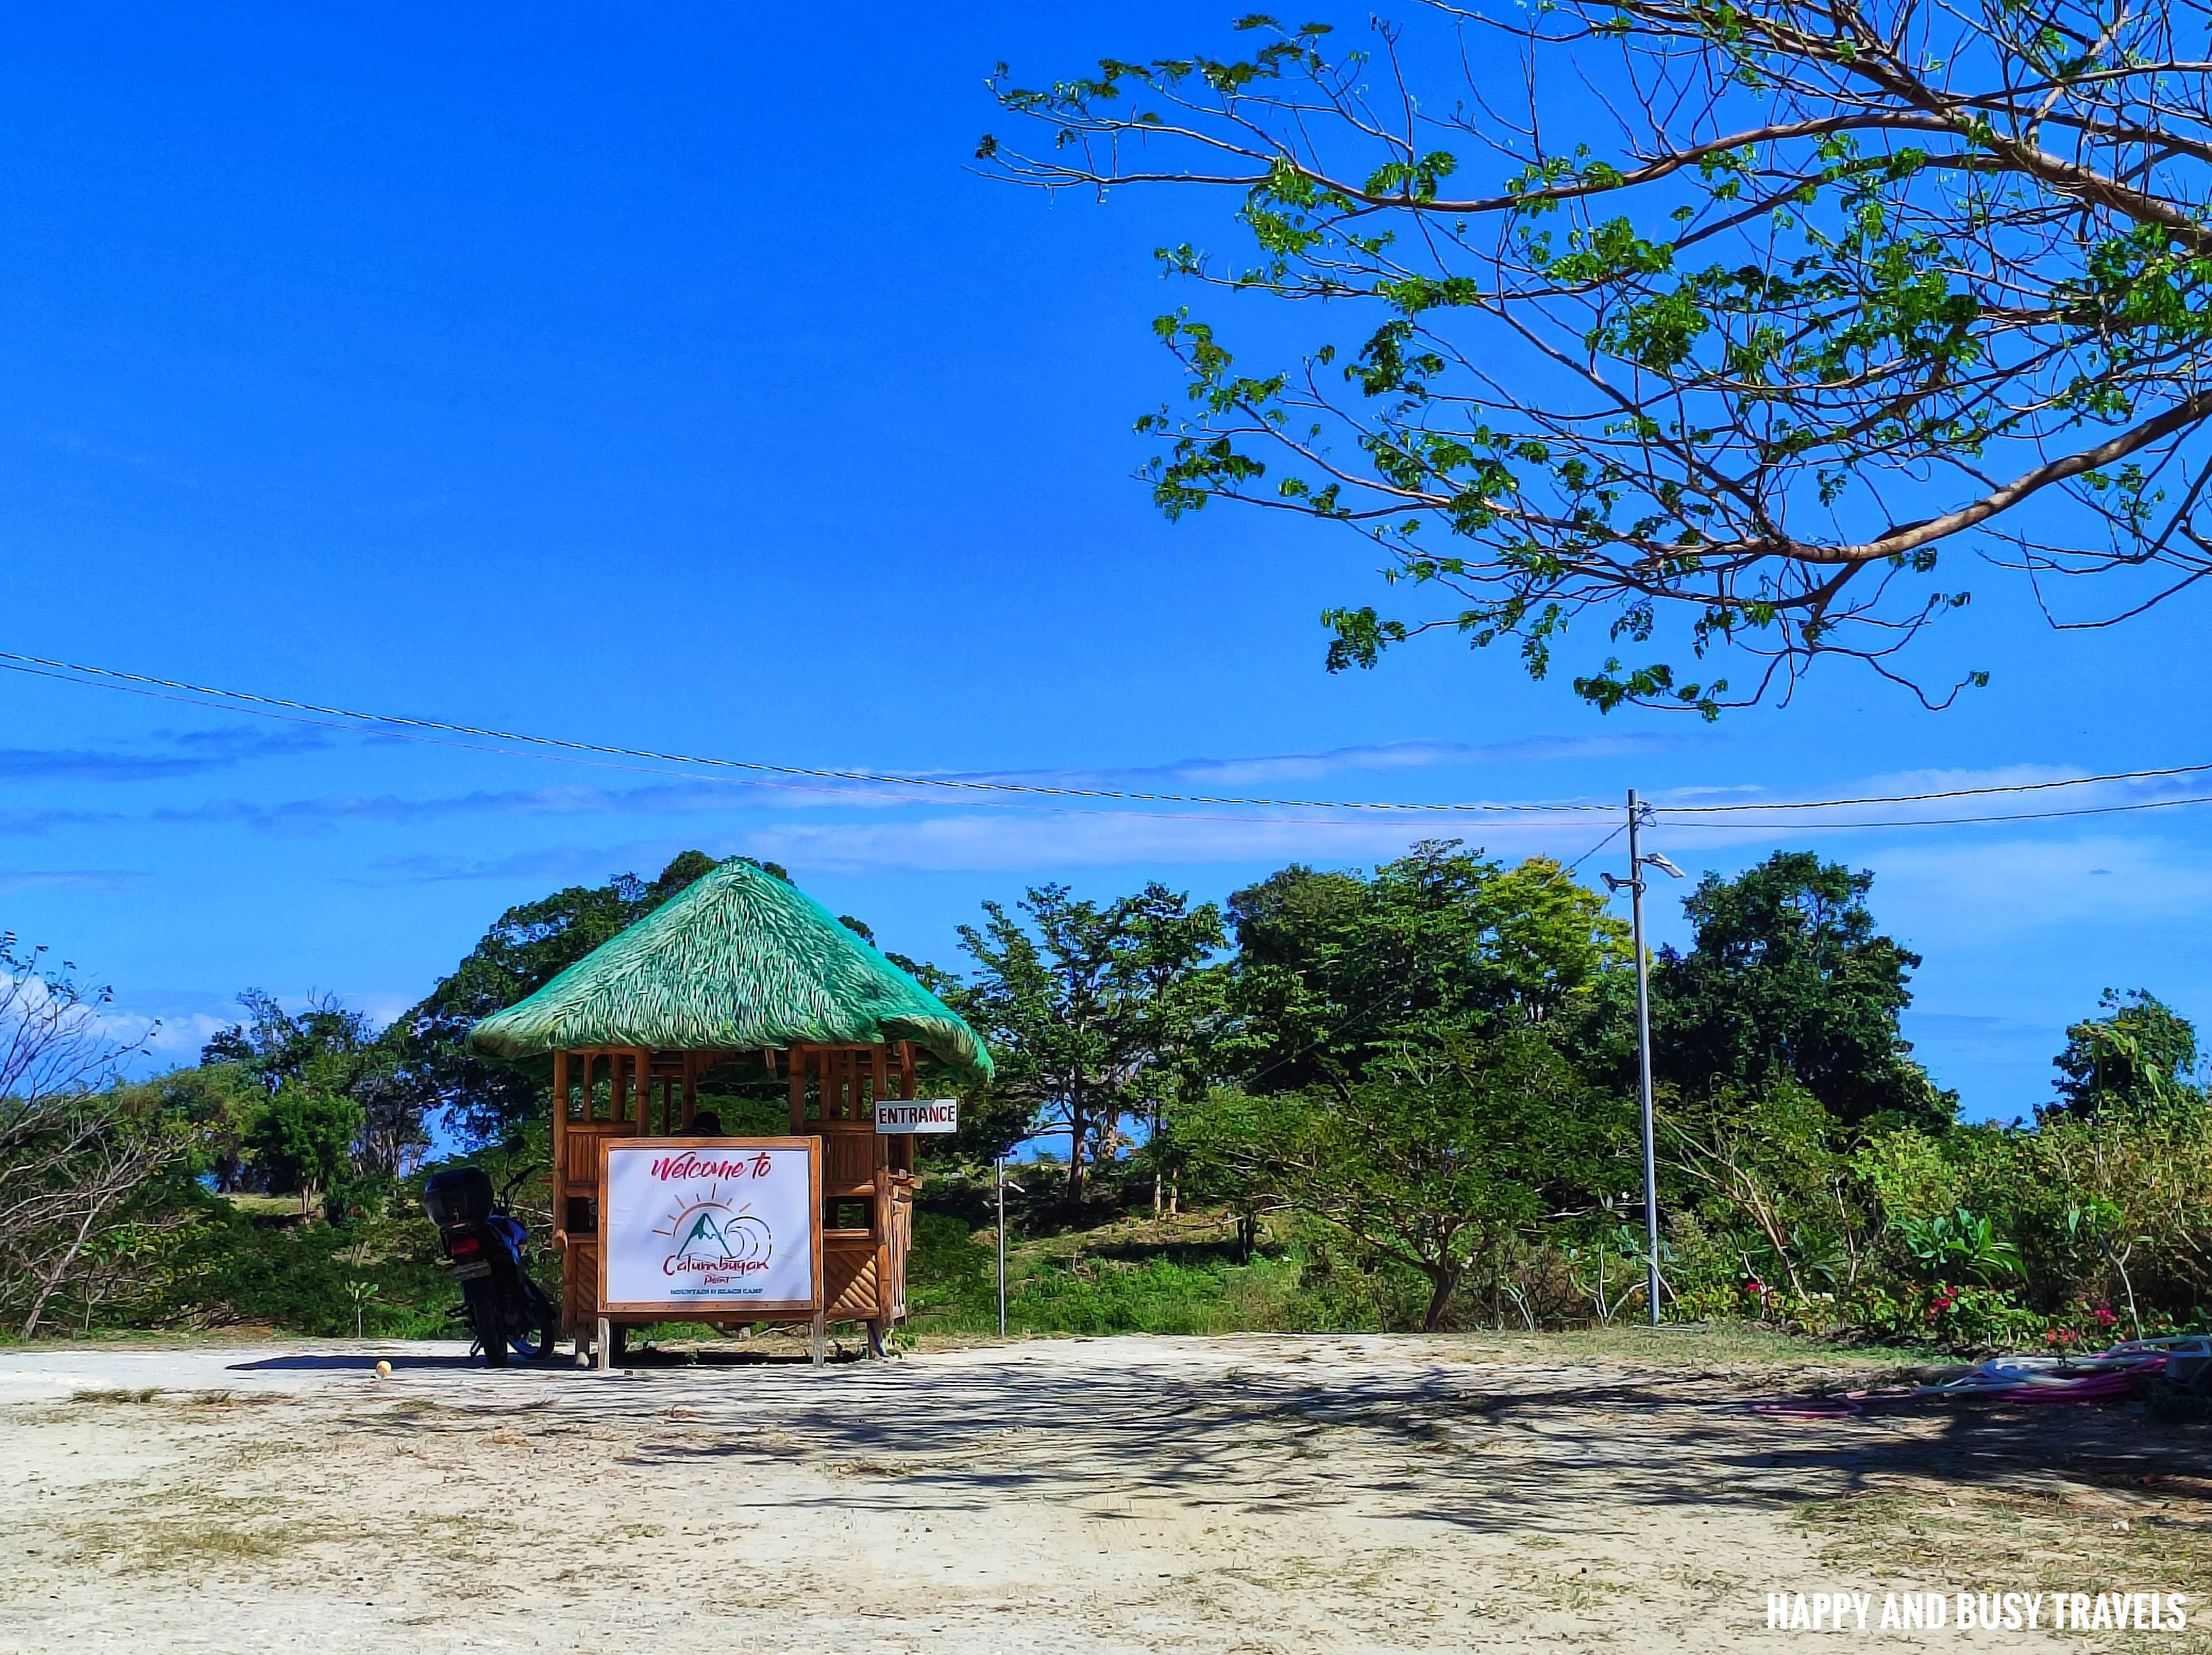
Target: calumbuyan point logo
713,1244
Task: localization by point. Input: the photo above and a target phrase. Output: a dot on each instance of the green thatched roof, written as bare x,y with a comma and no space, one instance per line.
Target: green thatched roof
739,959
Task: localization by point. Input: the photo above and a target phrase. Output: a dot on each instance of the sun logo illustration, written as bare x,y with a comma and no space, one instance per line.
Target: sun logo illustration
711,1229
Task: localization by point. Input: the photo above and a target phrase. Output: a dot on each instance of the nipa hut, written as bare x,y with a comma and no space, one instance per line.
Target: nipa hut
741,967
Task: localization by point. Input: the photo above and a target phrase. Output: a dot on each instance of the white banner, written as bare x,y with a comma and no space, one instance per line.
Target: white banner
700,1224
918,1114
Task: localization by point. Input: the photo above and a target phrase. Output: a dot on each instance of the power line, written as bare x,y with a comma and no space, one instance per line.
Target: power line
874,778
979,803
1598,846
1962,821
1953,793
554,746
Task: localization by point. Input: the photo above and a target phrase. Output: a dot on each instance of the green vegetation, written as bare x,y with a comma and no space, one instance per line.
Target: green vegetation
1669,362
1126,1276
1395,1098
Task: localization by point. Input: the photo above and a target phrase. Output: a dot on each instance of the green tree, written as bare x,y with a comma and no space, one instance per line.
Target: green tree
216,1104
1335,970
302,1140
328,1049
2140,1056
1721,327
1088,1008
1435,1159
1788,980
527,947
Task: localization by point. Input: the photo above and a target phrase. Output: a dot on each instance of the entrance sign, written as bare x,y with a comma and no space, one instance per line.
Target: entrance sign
700,1225
917,1115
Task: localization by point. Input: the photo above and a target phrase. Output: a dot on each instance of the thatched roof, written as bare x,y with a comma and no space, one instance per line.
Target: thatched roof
741,959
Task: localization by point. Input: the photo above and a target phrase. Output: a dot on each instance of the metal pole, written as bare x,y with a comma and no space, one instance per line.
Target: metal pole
999,1167
1643,1063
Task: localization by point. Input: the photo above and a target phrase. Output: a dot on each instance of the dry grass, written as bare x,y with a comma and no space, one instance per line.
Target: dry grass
147,1394
193,1530
2060,1530
206,1534
271,1206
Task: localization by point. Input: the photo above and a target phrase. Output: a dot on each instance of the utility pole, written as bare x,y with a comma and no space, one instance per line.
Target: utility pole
1643,1058
1000,1165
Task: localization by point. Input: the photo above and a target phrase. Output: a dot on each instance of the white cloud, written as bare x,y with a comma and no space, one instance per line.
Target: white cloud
2017,886
1028,841
175,1039
1262,770
107,880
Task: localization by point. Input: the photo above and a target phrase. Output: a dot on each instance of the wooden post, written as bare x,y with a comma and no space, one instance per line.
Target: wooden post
560,1141
606,1353
880,1217
819,1336
902,1148
561,1147
560,1182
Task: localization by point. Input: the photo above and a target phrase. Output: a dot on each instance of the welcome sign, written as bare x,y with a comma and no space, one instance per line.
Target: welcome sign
703,1224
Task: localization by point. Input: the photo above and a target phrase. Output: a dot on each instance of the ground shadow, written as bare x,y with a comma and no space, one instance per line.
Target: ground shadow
1502,1448
362,1362
651,1356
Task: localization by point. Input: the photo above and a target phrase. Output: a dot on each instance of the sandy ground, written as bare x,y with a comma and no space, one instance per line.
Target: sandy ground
1245,1493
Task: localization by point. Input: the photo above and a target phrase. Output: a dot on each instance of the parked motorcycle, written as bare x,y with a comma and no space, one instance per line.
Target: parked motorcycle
486,1246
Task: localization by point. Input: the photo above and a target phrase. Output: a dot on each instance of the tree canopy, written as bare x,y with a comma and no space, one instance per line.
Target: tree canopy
1334,968
1733,330
1090,1008
324,1062
2140,1056
1436,1159
1410,1086
1787,979
527,947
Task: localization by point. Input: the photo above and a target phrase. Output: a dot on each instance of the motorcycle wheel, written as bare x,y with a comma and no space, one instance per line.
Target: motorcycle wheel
489,1317
544,1321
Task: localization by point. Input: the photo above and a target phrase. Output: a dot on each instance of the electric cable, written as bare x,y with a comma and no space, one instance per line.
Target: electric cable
975,791
978,803
875,778
1596,847
1957,821
1953,793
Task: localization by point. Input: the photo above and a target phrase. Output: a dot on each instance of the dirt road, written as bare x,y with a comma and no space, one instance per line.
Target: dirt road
1248,1494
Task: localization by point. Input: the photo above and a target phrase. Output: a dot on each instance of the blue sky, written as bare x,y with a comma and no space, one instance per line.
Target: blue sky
669,382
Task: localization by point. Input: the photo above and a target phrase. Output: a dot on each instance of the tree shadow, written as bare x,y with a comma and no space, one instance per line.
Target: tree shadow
1484,1448
357,1362
1186,1254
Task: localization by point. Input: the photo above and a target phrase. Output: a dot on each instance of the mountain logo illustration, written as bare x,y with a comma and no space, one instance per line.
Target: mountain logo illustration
712,1232
705,1235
